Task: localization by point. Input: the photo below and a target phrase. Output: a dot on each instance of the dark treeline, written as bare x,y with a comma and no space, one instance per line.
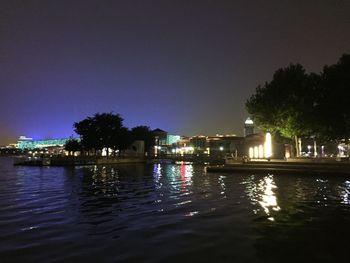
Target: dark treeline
296,104
106,130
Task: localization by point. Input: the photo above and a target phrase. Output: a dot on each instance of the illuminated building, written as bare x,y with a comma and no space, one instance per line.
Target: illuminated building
248,127
30,144
209,145
164,141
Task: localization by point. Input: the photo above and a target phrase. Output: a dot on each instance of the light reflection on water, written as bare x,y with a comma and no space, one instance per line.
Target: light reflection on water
109,212
268,199
345,192
263,193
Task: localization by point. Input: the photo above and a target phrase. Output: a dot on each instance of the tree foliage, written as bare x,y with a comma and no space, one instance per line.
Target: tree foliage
106,130
72,146
145,134
103,130
295,103
334,100
284,105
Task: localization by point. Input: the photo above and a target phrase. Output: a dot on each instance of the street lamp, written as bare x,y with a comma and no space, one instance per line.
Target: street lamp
309,150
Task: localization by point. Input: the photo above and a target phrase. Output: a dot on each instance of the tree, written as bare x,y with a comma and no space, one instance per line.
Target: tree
334,99
143,133
108,127
122,139
87,131
103,130
286,105
72,146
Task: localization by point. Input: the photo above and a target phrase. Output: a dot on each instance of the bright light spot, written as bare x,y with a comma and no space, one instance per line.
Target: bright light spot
192,213
249,121
221,148
268,145
261,151
251,152
256,152
208,150
268,197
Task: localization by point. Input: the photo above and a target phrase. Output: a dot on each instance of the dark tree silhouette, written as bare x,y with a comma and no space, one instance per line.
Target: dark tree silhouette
143,133
72,146
297,104
333,106
123,139
87,132
286,104
103,130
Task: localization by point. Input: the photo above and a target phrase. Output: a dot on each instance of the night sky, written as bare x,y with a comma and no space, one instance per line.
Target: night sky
186,67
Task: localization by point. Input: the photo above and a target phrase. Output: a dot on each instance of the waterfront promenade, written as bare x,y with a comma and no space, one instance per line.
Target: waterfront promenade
304,166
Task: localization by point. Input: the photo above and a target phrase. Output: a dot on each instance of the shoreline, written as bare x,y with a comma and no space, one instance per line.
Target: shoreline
75,161
284,167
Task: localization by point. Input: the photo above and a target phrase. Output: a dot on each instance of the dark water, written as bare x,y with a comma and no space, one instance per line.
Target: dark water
170,213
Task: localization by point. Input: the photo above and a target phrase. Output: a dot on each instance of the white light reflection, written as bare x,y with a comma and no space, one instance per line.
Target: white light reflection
322,191
346,193
268,145
222,185
186,173
192,213
268,200
157,175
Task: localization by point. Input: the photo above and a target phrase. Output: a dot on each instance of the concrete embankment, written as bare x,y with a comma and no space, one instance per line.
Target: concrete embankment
76,161
283,167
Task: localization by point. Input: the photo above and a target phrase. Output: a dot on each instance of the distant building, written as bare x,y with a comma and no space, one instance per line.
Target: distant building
248,127
164,141
160,137
209,145
224,144
30,144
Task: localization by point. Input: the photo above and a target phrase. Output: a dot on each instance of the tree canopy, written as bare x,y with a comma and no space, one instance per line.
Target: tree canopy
295,103
334,100
145,134
72,146
106,130
103,130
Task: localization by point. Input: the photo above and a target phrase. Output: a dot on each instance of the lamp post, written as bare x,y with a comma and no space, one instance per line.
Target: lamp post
309,150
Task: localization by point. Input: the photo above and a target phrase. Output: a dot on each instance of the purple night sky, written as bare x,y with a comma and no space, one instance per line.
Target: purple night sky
186,67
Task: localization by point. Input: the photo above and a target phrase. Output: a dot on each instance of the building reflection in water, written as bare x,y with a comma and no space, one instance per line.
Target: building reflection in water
173,187
157,175
268,199
186,173
222,186
105,181
178,178
262,193
346,193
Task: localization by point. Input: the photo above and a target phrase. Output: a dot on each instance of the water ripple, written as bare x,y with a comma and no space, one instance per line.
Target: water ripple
151,213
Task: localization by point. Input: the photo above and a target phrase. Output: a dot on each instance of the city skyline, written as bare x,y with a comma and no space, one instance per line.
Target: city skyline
183,66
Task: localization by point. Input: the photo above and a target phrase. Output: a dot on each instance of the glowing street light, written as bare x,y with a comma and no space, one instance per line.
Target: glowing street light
256,152
261,151
268,145
251,152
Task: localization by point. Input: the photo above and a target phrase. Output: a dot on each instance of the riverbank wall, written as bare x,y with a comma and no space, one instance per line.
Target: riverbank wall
324,167
76,160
